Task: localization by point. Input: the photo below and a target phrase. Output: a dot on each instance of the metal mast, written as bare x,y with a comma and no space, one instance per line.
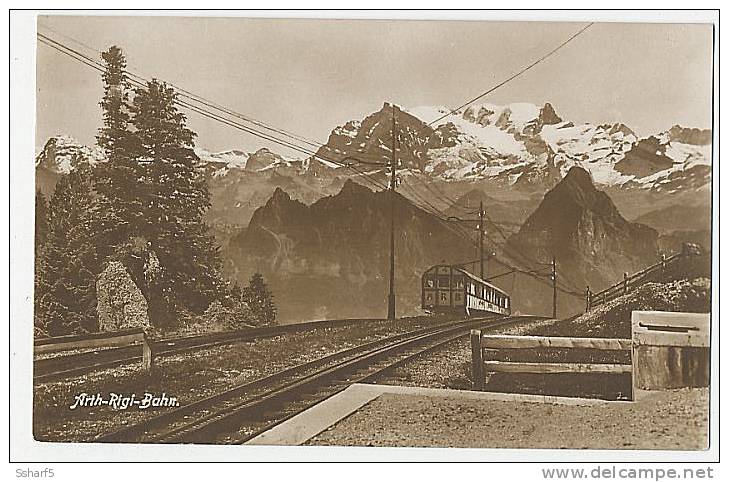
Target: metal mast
554,287
391,296
480,235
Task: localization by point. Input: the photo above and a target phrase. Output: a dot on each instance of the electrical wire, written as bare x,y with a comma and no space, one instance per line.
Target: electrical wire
519,73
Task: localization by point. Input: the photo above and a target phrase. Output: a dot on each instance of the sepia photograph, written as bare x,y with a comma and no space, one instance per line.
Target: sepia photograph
319,232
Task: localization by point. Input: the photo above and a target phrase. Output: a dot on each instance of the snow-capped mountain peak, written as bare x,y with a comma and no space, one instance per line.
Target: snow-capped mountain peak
517,144
521,140
234,159
61,153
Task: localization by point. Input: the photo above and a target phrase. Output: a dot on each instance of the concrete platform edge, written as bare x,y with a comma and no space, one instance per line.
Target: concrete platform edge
309,423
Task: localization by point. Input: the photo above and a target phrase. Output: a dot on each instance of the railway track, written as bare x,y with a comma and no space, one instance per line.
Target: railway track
63,366
243,412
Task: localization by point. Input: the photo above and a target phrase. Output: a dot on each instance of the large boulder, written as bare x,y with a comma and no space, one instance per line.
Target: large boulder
120,302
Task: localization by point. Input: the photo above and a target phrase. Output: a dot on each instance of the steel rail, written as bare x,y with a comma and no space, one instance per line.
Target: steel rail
373,373
166,426
64,366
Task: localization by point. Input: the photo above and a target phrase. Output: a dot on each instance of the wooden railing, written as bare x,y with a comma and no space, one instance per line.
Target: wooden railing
666,349
112,339
109,339
661,271
481,366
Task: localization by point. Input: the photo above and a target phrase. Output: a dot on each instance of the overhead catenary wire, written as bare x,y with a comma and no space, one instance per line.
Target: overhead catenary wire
514,76
205,110
140,82
193,96
314,145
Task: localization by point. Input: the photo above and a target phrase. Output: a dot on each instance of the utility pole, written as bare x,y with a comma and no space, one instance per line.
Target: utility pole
554,287
391,296
480,235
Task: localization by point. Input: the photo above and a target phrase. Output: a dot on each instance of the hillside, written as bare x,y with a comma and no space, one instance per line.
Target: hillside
330,259
581,227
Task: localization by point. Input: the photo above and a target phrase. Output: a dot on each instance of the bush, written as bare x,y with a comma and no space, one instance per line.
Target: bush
228,316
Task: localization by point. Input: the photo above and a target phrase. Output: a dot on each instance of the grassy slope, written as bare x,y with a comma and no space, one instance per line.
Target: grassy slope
612,319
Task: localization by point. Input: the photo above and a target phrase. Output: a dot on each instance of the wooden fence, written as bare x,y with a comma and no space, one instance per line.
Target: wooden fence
480,366
667,350
113,339
666,268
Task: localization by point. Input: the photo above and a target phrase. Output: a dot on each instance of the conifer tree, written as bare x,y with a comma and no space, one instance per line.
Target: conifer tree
260,299
41,220
41,234
117,179
65,295
174,197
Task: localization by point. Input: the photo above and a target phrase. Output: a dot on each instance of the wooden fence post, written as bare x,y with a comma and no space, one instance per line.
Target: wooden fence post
147,354
588,301
625,283
477,360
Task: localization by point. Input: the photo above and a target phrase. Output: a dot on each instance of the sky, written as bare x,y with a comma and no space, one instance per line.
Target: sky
309,76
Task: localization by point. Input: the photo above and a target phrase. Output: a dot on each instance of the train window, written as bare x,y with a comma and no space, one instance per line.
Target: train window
506,302
429,282
458,281
444,281
457,296
443,297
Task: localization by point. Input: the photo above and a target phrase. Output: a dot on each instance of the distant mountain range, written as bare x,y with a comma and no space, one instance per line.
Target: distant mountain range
518,151
517,144
524,146
330,259
548,187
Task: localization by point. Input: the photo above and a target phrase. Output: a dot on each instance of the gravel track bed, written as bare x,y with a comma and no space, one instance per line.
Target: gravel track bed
450,365
191,377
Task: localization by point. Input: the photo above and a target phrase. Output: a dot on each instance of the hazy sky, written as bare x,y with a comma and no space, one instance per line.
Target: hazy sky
308,76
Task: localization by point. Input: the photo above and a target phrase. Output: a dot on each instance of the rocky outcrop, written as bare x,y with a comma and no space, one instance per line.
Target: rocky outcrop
688,135
260,159
61,154
547,115
120,302
646,157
